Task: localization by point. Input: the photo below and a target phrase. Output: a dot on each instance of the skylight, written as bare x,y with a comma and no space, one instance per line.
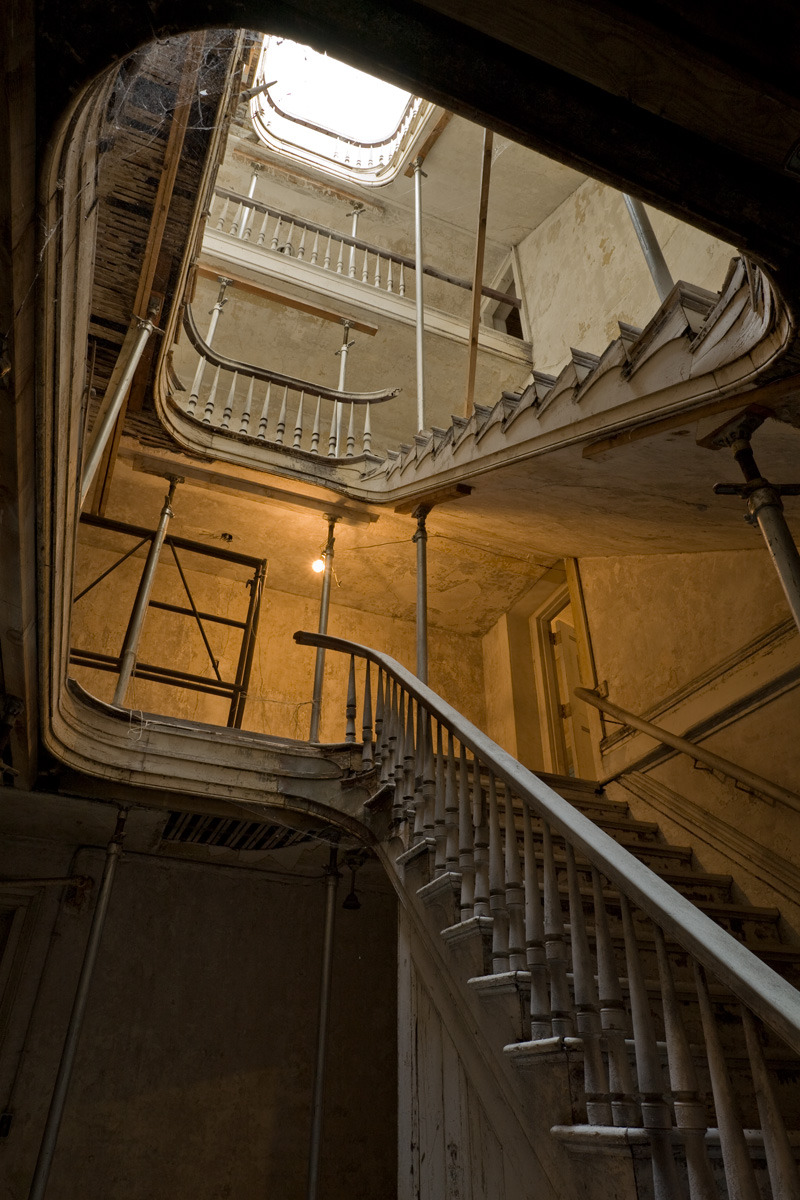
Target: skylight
326,113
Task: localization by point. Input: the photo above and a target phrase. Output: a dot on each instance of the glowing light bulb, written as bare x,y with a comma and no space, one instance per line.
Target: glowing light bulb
318,565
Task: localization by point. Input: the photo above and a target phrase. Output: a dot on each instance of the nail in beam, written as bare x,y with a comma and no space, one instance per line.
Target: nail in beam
324,605
55,1113
134,632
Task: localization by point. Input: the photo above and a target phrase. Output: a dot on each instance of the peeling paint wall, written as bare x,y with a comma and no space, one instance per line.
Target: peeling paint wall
583,272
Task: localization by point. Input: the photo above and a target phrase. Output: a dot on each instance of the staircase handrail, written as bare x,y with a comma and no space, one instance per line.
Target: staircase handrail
359,244
748,779
248,371
754,983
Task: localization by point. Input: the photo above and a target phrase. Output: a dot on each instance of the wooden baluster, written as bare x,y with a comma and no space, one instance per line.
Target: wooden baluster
541,1016
332,434
351,436
587,1004
439,818
655,1112
389,279
481,842
244,422
315,430
223,215
288,248
515,896
340,259
298,424
212,399
367,754
327,260
276,235
451,806
237,220
466,854
402,287
249,221
497,885
366,444
613,1017
690,1110
429,792
555,942
315,249
264,418
350,706
781,1165
377,280
227,411
419,769
301,249
391,728
736,1160
262,233
380,751
365,267
409,772
281,426
400,753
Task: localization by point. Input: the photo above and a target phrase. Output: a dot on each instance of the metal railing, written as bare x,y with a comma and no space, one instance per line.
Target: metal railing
748,779
277,413
632,953
253,221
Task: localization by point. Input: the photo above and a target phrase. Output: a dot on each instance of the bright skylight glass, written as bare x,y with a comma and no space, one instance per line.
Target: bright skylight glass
323,113
315,88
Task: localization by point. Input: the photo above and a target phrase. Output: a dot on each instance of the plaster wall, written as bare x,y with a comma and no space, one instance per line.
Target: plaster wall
193,1074
282,678
669,633
583,271
513,719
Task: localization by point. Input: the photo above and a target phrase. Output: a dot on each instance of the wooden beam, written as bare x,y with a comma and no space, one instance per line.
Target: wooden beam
477,278
155,237
306,306
768,394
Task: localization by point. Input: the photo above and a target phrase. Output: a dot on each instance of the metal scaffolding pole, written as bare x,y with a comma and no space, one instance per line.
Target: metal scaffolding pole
419,277
653,255
134,632
342,352
324,605
317,1110
113,404
765,509
56,1110
421,540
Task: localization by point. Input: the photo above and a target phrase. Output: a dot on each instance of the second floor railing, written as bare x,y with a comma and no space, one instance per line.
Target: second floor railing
238,398
260,224
607,947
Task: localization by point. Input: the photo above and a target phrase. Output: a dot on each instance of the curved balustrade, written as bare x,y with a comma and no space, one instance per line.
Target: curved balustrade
279,411
253,221
606,946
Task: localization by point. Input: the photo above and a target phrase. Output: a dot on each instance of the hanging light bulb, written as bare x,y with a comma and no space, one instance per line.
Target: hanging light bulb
318,565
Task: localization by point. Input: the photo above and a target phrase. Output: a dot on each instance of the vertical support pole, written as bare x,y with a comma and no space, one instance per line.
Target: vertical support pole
653,255
419,275
477,277
358,208
317,1112
115,401
56,1110
337,408
194,392
421,540
245,667
247,213
127,659
324,605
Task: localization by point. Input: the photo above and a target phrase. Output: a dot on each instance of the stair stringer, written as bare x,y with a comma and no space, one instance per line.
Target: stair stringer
470,1123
